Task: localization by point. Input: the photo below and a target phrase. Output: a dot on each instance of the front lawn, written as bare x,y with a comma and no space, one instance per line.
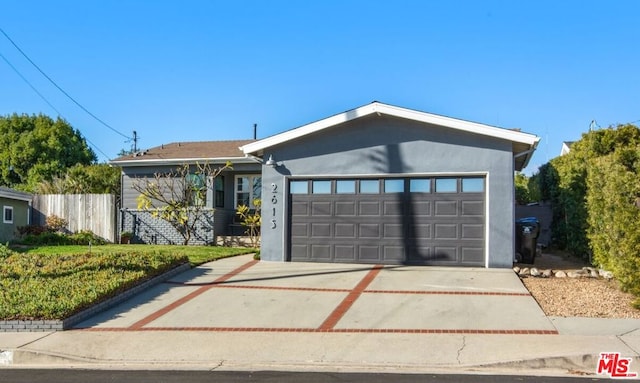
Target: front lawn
55,282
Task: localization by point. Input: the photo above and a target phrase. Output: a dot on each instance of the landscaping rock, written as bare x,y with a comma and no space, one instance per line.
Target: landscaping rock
574,274
561,274
547,273
524,271
605,274
534,272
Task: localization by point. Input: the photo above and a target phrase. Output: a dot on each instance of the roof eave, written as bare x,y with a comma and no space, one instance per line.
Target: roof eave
380,108
179,161
16,196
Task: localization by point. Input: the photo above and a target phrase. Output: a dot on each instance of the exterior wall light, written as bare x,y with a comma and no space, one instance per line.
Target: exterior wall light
271,162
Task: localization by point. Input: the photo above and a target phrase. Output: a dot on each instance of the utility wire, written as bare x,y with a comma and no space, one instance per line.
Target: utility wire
28,83
59,88
47,101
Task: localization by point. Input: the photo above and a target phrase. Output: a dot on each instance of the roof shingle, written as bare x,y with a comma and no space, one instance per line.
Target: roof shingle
190,150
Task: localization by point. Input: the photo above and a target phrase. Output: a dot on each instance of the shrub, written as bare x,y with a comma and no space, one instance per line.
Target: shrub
56,223
86,237
46,238
614,219
5,251
31,230
251,219
50,238
595,195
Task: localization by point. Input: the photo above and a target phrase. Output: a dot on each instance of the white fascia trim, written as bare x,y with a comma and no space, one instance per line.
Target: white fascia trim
17,197
380,108
179,161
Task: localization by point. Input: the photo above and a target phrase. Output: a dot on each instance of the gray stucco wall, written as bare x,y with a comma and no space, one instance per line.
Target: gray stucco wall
383,145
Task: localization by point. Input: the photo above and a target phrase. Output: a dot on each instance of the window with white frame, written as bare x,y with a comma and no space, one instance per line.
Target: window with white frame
7,214
248,188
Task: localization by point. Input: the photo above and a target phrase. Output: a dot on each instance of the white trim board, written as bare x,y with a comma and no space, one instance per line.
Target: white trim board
380,108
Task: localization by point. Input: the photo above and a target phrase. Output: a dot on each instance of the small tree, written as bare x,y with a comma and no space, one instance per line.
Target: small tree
251,220
522,189
179,196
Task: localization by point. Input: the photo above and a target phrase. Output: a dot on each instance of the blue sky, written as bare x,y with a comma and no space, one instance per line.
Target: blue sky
208,70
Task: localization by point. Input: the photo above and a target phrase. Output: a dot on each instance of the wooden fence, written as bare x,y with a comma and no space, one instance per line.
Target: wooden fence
95,212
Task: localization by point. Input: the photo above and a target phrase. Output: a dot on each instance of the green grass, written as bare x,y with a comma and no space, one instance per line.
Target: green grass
55,282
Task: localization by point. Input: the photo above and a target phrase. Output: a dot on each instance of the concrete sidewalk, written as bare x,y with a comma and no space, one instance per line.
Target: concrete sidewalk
240,314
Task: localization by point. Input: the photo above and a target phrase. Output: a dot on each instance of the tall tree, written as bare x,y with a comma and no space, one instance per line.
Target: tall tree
36,148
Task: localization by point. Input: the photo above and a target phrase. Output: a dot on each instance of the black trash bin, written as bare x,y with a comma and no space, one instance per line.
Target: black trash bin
527,233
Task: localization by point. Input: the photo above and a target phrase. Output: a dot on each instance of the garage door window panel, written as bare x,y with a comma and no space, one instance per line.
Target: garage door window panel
473,185
394,186
369,186
446,185
321,187
299,187
345,187
420,185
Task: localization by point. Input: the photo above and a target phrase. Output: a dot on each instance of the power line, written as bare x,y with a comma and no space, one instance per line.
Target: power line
59,88
28,83
45,100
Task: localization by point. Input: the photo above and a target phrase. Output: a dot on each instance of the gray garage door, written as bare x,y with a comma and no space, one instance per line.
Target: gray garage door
426,221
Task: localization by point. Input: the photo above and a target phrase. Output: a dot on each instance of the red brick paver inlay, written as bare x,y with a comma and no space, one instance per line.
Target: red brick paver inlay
332,330
328,326
150,318
349,300
448,292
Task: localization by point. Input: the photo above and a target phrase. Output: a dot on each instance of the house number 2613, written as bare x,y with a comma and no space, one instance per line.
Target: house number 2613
274,201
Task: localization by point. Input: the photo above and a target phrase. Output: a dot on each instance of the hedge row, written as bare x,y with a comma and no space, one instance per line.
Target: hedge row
595,194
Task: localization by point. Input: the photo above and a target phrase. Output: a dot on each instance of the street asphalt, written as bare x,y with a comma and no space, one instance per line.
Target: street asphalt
241,314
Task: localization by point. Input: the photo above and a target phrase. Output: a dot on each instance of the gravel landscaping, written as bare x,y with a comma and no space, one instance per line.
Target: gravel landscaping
577,297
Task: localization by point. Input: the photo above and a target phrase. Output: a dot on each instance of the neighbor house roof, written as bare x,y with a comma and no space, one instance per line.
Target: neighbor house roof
187,152
523,144
14,194
566,147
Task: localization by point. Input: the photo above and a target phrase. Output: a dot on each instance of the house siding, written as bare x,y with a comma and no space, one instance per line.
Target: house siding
21,211
384,145
148,229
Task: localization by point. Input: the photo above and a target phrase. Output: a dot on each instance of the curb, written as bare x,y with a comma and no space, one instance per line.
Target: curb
577,365
65,324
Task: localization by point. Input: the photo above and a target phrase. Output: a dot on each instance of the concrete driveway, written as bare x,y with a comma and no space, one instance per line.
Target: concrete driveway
242,295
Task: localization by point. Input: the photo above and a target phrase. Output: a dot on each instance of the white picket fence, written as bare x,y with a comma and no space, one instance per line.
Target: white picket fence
95,212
